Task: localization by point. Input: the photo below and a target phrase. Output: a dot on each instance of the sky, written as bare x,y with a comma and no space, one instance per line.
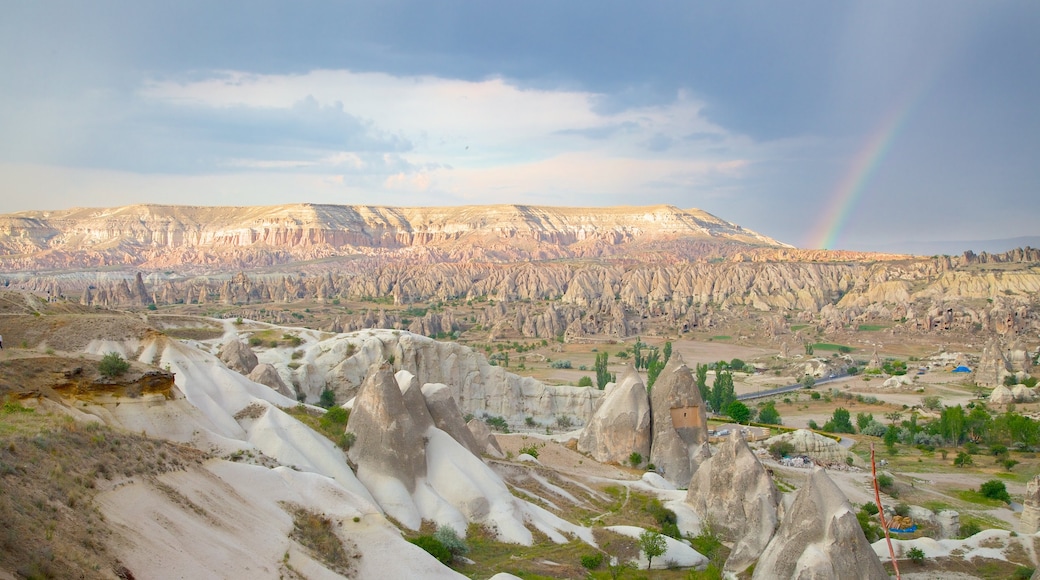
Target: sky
847,125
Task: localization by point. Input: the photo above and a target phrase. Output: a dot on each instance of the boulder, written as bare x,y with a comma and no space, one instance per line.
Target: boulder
621,424
813,444
238,356
819,538
1023,394
447,417
679,425
485,439
1001,396
267,375
1031,507
733,490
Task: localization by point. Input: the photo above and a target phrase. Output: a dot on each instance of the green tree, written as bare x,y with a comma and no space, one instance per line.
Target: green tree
808,381
840,422
891,436
667,351
722,392
863,419
738,411
113,365
652,545
653,370
585,381
963,459
995,489
737,364
953,424
769,415
702,381
602,374
637,353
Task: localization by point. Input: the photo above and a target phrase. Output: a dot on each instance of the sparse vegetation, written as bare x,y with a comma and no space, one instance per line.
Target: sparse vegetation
113,365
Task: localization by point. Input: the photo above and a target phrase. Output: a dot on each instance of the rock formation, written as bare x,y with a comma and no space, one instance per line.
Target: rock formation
992,367
447,418
266,374
806,442
621,424
1031,507
949,524
679,423
1023,394
485,439
733,490
1001,396
238,356
819,537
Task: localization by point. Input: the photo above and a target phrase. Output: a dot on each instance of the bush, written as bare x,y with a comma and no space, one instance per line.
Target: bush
448,538
963,459
769,415
113,365
435,548
870,508
560,364
781,449
902,510
635,458
327,399
885,481
592,561
916,555
585,381
531,450
995,489
969,529
497,423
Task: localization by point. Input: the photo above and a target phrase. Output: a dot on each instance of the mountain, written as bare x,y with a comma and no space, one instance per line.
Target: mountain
156,237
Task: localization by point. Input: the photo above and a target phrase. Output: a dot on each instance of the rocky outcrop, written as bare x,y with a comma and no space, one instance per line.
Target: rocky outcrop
819,537
485,439
993,366
733,490
266,374
949,524
238,356
1031,507
1023,394
680,423
388,449
1001,396
447,418
816,446
621,424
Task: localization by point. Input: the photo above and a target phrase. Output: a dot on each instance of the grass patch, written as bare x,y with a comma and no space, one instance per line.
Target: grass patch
973,496
721,337
797,327
832,346
49,468
317,533
871,327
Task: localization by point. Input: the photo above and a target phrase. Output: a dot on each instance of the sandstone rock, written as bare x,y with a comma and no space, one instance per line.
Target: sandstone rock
897,382
733,490
238,356
621,424
266,374
485,439
447,418
1001,396
679,422
1023,394
992,367
1031,507
389,443
949,524
814,445
1019,358
923,515
819,538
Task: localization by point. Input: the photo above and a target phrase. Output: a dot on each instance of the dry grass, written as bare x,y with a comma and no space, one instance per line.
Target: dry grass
50,469
317,533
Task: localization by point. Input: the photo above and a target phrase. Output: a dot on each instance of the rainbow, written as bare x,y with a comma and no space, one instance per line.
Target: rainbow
851,186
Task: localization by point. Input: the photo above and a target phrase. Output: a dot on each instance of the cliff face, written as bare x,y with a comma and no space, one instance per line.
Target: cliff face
160,236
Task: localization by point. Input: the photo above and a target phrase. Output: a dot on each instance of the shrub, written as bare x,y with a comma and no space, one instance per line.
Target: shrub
769,415
113,365
585,381
995,489
781,449
969,529
497,423
1008,463
635,458
932,402
327,399
870,508
434,547
560,364
564,421
963,459
814,396
885,481
592,561
529,421
902,510
448,538
531,450
916,555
